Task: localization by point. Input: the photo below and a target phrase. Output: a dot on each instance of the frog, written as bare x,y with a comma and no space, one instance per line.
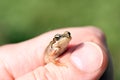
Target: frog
57,47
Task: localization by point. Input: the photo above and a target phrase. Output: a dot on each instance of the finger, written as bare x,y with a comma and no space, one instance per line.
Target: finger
37,74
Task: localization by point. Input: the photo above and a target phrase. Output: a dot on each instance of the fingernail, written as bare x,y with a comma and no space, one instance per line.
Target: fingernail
88,57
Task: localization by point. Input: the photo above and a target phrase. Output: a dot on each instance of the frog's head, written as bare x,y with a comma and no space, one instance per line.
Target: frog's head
62,40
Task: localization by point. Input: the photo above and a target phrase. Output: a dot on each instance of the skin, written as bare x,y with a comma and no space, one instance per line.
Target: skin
87,58
57,47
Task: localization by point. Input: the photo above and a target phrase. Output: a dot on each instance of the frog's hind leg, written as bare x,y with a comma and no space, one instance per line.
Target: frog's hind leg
58,63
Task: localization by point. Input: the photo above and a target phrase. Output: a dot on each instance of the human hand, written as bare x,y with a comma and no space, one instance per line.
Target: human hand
87,58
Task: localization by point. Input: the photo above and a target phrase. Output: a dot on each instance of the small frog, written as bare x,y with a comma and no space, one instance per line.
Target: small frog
57,47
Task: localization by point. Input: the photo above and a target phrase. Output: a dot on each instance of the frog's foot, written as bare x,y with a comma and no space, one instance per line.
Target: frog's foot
57,62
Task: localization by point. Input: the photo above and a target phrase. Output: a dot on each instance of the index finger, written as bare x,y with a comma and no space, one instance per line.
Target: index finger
29,54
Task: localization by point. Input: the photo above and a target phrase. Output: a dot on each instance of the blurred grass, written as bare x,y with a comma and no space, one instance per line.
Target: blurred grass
23,19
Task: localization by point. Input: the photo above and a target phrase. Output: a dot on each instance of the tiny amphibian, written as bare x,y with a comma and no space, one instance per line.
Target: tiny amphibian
57,47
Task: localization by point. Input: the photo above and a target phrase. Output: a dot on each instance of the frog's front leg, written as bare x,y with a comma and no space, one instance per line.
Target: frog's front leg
53,56
54,52
55,59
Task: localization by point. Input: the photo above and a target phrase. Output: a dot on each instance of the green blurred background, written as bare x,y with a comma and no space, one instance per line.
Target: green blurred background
24,19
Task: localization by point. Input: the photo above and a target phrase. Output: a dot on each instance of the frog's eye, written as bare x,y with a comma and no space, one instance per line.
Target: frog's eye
67,33
57,36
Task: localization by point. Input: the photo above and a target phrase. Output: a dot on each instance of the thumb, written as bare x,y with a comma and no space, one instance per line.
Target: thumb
90,59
